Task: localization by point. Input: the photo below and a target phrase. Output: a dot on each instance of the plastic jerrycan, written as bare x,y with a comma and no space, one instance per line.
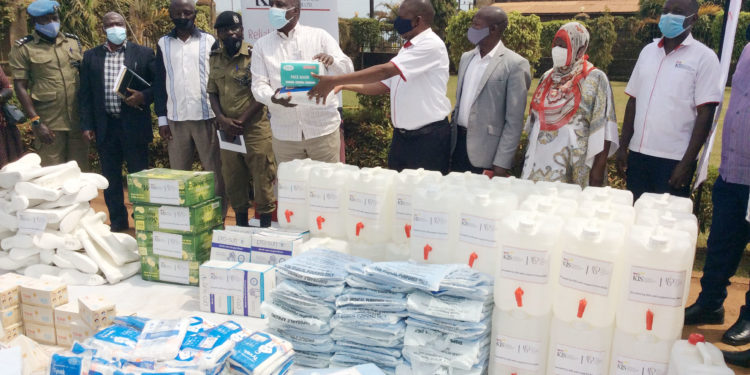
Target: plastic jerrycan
664,202
529,246
560,189
292,193
481,213
521,188
519,341
577,347
327,199
368,209
658,265
550,204
590,268
435,223
403,186
641,353
608,211
686,222
695,356
607,194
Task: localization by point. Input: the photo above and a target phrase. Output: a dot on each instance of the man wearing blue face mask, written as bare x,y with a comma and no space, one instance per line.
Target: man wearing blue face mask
417,80
304,131
45,75
490,100
674,90
120,126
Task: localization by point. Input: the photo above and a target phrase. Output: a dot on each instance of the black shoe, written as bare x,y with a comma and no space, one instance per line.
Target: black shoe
696,314
741,359
265,220
242,219
738,334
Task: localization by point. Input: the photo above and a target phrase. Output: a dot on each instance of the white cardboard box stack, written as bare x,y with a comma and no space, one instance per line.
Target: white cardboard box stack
11,324
256,245
76,321
234,288
39,298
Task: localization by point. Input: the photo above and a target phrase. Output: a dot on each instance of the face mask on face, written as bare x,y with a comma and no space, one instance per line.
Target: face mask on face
49,30
183,23
232,45
559,57
116,35
277,17
402,25
671,25
476,36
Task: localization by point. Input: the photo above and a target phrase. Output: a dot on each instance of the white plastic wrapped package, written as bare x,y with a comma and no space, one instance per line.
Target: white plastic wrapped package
368,369
261,354
406,368
419,276
352,357
385,335
161,339
302,341
209,349
467,283
345,345
318,292
364,317
121,340
372,299
358,278
417,336
295,299
448,307
69,364
282,318
134,322
312,359
319,267
459,355
451,327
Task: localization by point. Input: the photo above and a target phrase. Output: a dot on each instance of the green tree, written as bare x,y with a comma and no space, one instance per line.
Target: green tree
523,36
444,11
603,39
455,35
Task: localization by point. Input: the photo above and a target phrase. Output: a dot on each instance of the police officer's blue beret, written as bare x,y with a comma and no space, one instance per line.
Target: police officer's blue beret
42,8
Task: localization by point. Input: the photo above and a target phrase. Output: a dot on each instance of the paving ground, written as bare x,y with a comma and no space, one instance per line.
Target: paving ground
713,333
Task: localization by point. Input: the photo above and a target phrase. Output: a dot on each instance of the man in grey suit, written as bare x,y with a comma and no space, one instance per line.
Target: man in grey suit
493,83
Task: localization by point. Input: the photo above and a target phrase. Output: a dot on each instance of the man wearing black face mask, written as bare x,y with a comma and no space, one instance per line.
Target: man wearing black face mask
180,94
239,115
490,100
417,80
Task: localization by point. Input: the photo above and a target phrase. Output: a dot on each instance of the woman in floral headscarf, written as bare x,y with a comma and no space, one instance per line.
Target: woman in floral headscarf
572,125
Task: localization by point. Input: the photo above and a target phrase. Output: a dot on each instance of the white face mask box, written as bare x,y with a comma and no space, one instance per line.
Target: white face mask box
11,332
259,280
43,334
96,312
221,288
10,290
299,73
231,246
66,314
11,316
273,248
305,234
44,293
38,315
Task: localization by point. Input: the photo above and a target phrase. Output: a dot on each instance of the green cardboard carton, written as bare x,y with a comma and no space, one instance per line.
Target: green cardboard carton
169,270
169,186
178,220
193,247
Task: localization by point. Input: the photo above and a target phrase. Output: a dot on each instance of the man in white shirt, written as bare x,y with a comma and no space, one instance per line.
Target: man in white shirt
181,97
674,90
417,80
307,131
493,83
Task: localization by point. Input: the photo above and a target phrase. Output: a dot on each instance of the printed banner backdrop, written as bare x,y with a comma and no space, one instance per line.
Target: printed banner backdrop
318,13
726,60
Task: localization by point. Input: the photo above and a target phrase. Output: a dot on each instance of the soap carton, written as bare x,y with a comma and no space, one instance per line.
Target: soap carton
169,186
299,73
38,315
258,281
44,293
180,220
272,247
11,332
64,336
41,333
97,312
193,247
80,331
169,270
221,287
11,316
231,246
66,314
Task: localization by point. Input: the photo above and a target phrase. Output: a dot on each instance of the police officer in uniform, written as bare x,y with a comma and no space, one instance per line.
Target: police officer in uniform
239,115
45,76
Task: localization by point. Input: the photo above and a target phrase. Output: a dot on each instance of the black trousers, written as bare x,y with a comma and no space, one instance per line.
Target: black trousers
649,174
460,160
428,147
112,153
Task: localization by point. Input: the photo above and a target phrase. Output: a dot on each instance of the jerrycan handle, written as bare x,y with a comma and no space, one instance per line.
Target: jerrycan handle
359,228
473,258
407,230
703,350
427,250
320,220
288,214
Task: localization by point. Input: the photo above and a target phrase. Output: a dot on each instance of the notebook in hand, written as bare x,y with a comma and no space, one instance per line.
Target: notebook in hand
128,79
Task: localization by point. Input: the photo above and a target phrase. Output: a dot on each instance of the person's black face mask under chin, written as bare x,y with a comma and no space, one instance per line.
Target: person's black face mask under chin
183,23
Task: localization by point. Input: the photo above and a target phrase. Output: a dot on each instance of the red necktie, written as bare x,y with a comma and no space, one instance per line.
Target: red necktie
408,44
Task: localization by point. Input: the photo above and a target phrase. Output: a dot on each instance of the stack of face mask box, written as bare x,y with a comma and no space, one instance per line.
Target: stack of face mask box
234,288
256,245
79,320
11,324
302,306
175,213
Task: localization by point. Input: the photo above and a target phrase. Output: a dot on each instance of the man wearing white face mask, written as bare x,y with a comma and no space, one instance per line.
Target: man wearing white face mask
674,90
299,132
120,126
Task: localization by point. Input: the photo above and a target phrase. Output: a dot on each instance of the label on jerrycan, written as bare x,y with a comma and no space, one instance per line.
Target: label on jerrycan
655,286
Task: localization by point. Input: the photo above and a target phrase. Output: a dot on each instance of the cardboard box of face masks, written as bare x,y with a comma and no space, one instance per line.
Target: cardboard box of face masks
231,246
271,247
235,288
193,247
169,186
299,73
179,220
169,270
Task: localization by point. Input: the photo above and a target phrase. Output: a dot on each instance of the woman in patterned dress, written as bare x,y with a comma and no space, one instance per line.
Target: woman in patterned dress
10,138
572,125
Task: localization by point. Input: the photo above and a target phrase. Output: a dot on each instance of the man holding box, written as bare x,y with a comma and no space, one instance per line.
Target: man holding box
239,115
300,130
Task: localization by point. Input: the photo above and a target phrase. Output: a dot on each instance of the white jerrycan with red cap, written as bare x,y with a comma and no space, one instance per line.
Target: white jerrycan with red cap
642,353
403,200
577,347
327,199
435,223
368,210
292,193
695,356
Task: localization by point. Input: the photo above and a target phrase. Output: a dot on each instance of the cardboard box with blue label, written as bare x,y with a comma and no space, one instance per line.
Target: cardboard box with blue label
273,247
235,288
299,73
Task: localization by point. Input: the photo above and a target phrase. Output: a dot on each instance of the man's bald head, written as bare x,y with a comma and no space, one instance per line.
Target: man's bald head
681,7
419,8
112,16
182,3
492,15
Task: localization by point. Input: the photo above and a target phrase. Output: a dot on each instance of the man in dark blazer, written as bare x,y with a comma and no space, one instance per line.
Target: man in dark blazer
121,127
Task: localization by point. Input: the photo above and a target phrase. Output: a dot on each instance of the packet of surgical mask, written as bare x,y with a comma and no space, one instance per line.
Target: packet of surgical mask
260,353
467,283
353,356
319,267
372,299
296,300
368,369
69,364
447,307
135,322
386,335
312,359
283,318
116,338
451,327
161,339
425,277
344,345
318,292
365,317
455,356
208,350
302,341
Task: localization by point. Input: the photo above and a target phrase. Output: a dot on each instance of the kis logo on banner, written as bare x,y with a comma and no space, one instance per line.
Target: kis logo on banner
263,3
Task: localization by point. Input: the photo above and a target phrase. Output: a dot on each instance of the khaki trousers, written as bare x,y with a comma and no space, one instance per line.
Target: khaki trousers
67,146
257,168
325,148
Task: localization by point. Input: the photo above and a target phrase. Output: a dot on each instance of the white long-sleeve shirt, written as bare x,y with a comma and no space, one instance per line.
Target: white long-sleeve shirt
302,44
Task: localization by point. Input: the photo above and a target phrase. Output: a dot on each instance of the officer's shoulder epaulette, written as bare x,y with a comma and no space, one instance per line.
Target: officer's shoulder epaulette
73,36
250,50
24,40
216,47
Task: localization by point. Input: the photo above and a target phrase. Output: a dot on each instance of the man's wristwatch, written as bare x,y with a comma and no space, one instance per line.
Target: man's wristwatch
36,121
